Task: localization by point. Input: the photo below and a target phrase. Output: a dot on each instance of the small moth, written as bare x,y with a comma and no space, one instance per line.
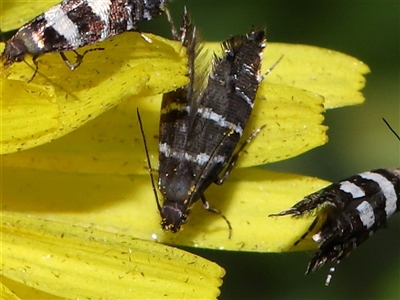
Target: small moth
72,24
200,129
354,208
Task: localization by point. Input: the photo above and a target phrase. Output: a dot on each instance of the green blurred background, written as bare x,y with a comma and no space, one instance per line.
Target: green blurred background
359,140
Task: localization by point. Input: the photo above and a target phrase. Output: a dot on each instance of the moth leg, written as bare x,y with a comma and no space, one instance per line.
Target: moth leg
175,35
307,205
233,160
36,68
79,58
209,208
309,230
271,68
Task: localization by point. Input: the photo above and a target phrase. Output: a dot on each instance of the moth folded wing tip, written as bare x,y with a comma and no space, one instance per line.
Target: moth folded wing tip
316,262
292,211
258,35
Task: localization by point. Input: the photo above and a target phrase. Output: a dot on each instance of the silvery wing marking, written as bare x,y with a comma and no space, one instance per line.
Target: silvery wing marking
355,208
197,147
76,23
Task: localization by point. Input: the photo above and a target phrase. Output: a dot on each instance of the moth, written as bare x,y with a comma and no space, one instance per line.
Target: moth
354,208
72,24
200,128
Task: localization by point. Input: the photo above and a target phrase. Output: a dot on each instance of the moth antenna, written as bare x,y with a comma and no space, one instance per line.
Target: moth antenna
391,128
174,32
148,159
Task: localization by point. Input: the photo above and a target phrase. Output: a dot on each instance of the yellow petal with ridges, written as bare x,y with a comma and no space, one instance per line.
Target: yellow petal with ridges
336,76
73,262
25,10
45,109
112,142
65,108
26,292
6,293
49,107
126,205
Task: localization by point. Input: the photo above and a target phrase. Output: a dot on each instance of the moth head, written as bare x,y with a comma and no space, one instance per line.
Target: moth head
173,216
15,51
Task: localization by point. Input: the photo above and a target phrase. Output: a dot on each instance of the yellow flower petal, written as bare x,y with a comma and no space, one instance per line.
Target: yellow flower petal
44,110
126,205
293,120
6,293
52,106
73,262
112,143
25,10
26,292
336,76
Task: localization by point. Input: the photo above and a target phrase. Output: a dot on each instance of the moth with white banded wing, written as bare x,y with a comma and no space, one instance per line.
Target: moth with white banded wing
201,128
354,208
76,23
